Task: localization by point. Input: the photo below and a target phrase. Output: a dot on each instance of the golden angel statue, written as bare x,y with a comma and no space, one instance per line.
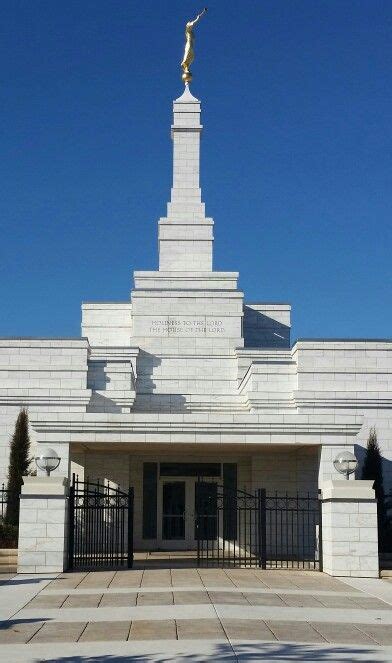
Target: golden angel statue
189,54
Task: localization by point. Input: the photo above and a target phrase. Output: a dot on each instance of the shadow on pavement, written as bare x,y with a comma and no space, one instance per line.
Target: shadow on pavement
24,581
239,652
10,623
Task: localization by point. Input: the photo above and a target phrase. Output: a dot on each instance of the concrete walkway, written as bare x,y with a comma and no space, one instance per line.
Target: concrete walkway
194,615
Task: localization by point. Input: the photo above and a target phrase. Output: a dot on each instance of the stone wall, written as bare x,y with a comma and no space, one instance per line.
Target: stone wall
45,375
340,378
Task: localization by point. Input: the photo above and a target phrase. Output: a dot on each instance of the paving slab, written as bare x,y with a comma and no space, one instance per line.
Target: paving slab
117,600
191,597
243,578
155,578
263,599
302,601
318,581
379,633
370,603
155,598
67,580
273,580
247,629
97,579
185,577
165,629
82,601
126,579
202,629
212,577
228,597
294,631
105,631
18,632
336,601
342,633
47,601
59,632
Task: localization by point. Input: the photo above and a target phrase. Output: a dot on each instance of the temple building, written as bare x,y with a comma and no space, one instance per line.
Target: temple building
187,383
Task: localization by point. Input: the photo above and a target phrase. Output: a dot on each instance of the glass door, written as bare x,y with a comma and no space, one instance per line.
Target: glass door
173,511
176,514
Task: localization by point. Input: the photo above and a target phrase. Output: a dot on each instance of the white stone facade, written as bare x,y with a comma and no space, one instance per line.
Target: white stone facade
42,546
349,521
187,369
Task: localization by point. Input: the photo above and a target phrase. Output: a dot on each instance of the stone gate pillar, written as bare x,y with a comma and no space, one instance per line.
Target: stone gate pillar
349,528
43,522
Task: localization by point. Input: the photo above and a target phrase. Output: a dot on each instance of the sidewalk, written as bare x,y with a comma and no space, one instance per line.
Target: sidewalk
194,615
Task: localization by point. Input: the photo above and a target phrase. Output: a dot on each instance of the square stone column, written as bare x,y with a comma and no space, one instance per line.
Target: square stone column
349,528
43,524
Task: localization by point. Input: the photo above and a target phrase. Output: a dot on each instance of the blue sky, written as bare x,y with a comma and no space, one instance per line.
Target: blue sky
296,154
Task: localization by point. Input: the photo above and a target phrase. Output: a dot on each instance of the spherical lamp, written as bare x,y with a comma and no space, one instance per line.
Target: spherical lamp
47,461
345,463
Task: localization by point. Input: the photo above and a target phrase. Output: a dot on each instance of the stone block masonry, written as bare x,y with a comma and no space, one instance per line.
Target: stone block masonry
349,529
43,525
185,235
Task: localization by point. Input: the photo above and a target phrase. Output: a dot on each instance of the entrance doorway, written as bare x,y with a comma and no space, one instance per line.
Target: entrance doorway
181,499
188,513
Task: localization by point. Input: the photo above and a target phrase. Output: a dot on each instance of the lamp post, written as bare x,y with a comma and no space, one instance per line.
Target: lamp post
345,463
48,461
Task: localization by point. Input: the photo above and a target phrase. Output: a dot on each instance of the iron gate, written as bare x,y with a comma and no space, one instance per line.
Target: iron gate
100,526
237,528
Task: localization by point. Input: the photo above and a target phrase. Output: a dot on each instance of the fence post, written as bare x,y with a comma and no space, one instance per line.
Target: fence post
320,532
71,524
262,528
130,528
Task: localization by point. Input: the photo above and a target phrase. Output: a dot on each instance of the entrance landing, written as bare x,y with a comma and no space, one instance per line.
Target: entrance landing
165,559
187,559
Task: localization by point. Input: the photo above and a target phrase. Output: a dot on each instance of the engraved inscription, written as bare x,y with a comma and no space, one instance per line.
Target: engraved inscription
178,326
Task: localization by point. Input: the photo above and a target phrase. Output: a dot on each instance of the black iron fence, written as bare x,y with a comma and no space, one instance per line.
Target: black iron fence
237,528
100,526
228,526
3,502
9,517
384,518
293,532
9,499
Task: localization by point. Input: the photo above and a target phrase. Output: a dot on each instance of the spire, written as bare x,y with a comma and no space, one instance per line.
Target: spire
185,235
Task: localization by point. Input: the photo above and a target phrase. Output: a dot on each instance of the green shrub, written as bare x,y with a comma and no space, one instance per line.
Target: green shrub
8,535
372,469
18,466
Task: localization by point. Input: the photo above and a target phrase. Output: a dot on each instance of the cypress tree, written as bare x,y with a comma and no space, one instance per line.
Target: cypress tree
372,469
18,466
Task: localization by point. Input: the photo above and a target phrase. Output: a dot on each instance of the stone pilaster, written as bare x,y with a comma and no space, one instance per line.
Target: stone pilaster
349,528
185,235
43,525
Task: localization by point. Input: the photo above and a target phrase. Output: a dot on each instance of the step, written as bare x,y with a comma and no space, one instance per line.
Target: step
8,560
386,573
